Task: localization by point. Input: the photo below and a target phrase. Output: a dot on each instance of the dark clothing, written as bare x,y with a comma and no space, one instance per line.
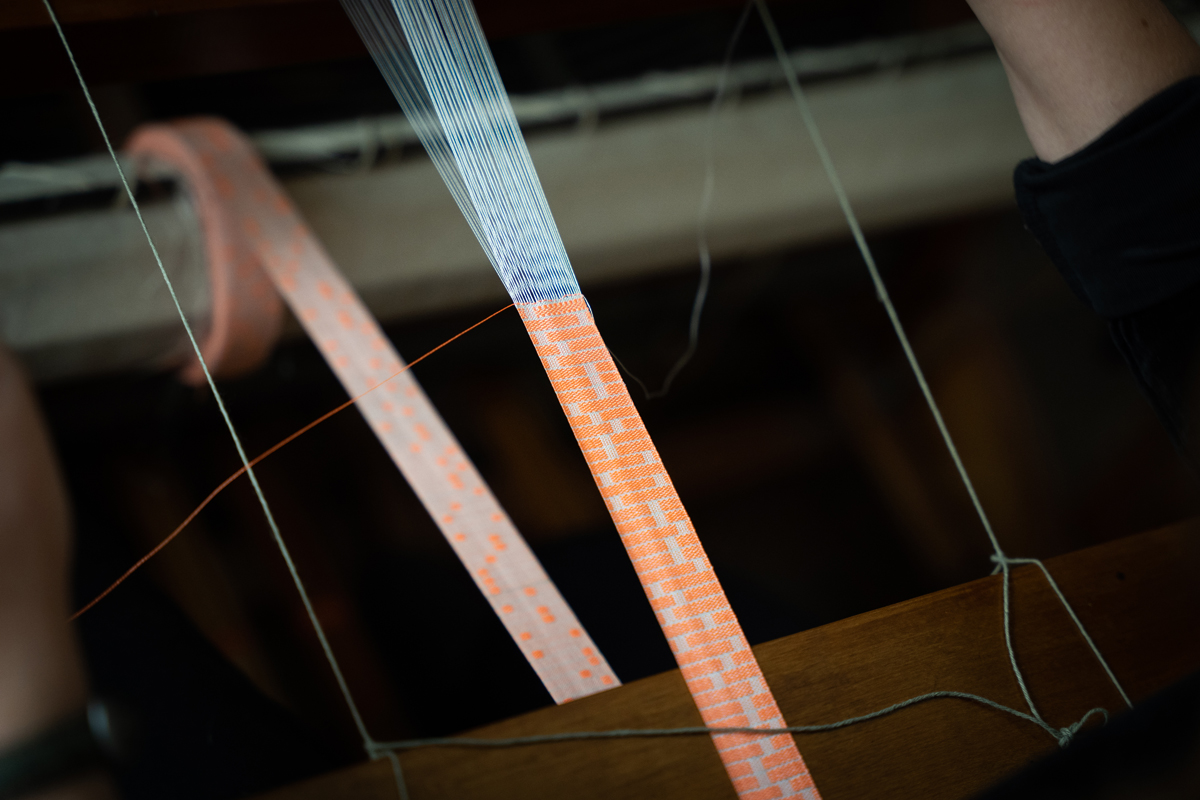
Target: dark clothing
1152,751
1121,220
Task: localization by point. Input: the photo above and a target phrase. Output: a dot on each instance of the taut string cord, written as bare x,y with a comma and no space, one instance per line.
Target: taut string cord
1002,561
246,465
1062,735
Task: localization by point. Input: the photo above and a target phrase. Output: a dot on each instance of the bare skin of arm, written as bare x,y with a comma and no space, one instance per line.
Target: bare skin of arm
1076,67
41,674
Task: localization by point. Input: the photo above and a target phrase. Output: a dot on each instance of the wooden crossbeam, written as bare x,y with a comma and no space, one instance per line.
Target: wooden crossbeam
1139,598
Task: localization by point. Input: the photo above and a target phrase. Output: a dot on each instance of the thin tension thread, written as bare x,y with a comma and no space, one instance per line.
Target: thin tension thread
1002,561
702,215
388,749
262,500
254,461
1063,735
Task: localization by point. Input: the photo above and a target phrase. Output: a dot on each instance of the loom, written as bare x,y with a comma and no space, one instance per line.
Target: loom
655,706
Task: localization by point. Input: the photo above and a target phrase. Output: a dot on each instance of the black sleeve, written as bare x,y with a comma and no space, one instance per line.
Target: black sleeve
1121,221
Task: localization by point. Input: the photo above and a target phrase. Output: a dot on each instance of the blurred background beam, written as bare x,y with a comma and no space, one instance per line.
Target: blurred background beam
914,143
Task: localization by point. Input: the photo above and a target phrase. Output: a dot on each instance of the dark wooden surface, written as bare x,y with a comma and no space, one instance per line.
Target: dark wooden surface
1139,597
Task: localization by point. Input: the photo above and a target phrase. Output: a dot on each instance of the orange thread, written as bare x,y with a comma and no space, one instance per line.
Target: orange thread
254,461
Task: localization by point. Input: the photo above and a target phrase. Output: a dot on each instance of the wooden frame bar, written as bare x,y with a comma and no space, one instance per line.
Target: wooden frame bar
1139,598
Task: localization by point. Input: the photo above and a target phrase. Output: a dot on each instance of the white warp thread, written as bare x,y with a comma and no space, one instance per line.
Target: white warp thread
433,55
1063,736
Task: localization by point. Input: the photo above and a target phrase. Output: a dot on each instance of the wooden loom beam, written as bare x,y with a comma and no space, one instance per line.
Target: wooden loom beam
1139,598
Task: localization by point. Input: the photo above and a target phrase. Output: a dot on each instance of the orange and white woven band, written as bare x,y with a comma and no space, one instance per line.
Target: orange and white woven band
259,228
720,669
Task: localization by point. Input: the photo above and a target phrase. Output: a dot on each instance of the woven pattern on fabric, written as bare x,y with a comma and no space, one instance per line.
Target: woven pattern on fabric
716,660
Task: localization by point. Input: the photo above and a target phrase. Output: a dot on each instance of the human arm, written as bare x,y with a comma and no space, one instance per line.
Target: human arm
1076,67
41,674
1103,88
